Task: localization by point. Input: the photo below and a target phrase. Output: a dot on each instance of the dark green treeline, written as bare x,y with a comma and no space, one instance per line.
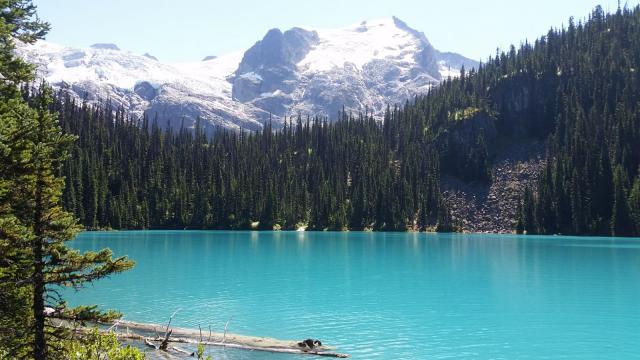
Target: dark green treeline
349,174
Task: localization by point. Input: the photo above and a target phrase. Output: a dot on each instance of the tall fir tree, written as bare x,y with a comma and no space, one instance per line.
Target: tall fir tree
34,261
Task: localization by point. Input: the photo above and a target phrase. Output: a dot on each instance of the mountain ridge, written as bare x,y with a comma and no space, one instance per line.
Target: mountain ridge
315,72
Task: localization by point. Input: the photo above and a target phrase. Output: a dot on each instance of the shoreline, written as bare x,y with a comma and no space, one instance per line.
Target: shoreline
293,230
507,234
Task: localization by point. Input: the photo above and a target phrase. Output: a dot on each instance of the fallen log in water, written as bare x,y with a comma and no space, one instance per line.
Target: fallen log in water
188,336
236,346
183,351
147,342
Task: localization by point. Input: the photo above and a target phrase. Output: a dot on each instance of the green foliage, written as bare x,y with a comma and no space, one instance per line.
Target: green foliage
18,22
588,72
34,260
634,204
95,345
620,221
200,353
15,297
352,174
464,114
34,229
445,222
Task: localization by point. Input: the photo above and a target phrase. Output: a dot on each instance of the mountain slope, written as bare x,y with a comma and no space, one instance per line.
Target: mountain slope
575,90
312,72
542,139
140,83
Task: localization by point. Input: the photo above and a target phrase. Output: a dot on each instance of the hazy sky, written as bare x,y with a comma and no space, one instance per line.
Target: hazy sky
186,30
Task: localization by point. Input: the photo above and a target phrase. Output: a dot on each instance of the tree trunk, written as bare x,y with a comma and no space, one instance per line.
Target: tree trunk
40,341
40,345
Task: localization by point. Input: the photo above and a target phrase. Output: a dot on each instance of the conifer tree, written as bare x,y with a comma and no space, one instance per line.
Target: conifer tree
34,260
620,221
17,22
634,204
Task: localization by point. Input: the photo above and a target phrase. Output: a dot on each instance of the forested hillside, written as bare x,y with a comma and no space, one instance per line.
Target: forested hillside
353,174
591,184
576,89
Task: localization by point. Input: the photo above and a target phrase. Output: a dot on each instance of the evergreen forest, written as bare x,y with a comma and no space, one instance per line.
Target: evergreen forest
575,88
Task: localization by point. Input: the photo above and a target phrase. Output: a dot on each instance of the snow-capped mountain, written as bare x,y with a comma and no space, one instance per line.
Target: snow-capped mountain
301,71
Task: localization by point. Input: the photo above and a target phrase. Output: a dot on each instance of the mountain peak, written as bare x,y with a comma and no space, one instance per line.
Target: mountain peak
382,39
105,46
149,56
388,23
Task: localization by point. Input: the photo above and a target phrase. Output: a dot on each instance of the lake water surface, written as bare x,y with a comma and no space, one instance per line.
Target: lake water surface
385,295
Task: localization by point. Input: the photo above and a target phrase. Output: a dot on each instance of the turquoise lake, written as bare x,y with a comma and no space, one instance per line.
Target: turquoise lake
385,295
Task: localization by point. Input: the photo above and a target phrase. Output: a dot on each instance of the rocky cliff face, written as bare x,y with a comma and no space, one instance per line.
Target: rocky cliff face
267,74
313,72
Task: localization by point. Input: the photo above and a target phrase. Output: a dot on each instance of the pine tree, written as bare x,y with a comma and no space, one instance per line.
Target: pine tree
16,317
620,221
634,204
53,263
17,21
34,260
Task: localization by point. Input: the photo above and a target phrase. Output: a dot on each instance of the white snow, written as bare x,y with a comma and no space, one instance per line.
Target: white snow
447,72
252,76
121,69
124,69
360,44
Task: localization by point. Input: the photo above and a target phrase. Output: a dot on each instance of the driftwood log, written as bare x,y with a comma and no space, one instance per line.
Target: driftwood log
132,336
146,336
183,351
146,342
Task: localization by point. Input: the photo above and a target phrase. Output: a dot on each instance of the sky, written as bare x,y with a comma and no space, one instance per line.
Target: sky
188,30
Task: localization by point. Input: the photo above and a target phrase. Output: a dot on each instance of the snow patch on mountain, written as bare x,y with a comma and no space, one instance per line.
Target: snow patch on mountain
360,44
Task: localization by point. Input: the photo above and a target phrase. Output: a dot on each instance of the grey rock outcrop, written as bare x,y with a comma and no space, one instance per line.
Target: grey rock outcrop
270,65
